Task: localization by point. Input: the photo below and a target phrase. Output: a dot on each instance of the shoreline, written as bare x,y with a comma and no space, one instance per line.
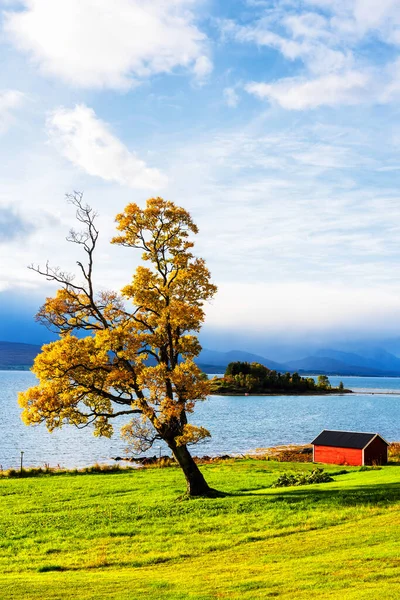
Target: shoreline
295,453
308,393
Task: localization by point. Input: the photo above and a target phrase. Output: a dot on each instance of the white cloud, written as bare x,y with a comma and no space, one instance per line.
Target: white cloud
202,68
382,17
356,18
301,94
88,143
330,38
231,97
98,43
10,100
309,25
391,91
314,52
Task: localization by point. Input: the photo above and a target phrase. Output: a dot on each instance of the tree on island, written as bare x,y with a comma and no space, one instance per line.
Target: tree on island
324,383
135,361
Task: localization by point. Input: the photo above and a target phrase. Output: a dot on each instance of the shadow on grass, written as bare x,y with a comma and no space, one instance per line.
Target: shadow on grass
387,493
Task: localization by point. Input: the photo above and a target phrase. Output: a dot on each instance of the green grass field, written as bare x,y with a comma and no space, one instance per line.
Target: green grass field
126,536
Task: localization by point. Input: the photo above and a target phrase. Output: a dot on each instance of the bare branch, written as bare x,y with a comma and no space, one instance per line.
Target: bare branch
56,274
113,415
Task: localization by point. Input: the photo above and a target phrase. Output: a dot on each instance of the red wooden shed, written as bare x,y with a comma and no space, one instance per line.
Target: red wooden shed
350,448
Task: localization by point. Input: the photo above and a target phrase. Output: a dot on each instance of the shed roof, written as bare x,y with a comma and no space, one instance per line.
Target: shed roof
345,439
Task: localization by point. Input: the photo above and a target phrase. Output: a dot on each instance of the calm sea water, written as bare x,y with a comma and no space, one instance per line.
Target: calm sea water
238,424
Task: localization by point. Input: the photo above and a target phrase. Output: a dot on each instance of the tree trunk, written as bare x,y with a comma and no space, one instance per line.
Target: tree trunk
196,484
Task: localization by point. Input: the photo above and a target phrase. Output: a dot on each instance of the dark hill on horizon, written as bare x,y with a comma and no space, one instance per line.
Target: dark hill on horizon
16,354
213,357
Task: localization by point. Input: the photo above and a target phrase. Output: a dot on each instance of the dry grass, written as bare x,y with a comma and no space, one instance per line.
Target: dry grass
288,453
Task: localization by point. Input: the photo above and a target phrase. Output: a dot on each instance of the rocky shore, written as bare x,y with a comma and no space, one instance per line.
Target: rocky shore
286,453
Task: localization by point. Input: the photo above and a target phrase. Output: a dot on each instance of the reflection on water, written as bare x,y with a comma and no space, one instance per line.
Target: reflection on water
237,423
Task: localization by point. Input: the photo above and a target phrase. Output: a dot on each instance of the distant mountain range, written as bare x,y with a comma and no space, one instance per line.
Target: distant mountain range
328,361
376,362
370,362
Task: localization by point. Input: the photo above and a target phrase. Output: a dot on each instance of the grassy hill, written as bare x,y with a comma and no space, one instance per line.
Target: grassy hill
126,536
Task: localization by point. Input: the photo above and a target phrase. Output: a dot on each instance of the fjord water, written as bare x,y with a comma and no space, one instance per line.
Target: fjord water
238,424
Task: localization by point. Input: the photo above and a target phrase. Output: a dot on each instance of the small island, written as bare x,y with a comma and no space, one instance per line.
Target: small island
243,378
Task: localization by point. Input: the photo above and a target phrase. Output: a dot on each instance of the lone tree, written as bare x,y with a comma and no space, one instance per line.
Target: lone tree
323,382
135,361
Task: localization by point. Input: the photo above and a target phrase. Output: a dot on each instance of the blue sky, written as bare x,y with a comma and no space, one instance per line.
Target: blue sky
276,124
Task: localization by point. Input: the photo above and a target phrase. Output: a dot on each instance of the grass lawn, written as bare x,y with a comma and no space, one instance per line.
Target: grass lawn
126,536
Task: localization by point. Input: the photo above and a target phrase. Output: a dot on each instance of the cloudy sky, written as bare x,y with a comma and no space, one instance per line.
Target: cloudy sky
275,123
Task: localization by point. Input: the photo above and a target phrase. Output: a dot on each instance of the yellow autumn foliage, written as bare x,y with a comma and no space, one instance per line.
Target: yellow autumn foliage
136,355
